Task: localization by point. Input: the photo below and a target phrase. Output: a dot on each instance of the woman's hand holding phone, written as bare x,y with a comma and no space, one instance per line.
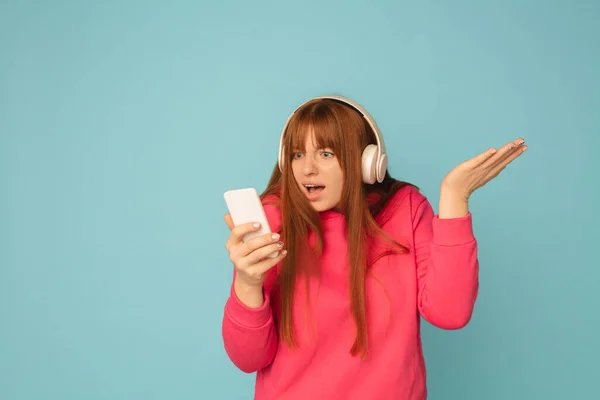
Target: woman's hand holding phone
251,260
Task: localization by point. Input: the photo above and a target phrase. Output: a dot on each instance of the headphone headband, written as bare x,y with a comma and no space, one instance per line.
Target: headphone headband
380,156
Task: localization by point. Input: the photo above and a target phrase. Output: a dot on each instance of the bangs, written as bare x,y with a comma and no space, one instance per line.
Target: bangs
319,121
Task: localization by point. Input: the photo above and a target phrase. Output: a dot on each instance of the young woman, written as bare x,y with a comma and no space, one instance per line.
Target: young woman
361,258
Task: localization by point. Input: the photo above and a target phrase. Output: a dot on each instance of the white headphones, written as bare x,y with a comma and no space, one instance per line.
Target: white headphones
374,157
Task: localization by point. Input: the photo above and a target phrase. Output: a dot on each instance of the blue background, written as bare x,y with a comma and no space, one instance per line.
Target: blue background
122,124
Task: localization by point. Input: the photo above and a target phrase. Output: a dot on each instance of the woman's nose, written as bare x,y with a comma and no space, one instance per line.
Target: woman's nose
310,166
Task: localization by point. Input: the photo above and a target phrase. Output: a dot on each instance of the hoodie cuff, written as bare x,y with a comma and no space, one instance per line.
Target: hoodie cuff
453,231
245,316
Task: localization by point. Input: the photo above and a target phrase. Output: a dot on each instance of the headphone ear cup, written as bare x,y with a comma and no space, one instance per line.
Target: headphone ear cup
369,171
382,167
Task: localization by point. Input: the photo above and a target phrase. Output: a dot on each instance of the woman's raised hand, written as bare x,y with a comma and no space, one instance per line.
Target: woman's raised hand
472,174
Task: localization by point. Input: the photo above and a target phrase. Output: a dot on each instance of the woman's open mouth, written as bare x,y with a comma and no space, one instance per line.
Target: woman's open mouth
313,191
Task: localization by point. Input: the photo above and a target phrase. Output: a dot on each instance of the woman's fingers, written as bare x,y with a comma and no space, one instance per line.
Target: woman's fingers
479,159
252,245
262,252
495,170
504,153
492,156
258,269
246,254
238,232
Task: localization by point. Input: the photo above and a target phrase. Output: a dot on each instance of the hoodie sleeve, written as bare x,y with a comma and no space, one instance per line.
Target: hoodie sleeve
447,267
249,334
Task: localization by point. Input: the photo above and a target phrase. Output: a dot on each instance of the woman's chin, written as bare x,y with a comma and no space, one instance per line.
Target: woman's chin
321,206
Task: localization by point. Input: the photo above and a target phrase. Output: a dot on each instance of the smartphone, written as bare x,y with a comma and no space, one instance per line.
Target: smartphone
245,206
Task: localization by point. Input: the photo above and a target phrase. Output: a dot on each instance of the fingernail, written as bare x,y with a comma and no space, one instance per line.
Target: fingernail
275,236
512,146
280,244
256,225
521,142
284,252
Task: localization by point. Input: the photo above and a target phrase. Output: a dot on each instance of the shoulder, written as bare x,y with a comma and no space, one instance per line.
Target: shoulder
407,202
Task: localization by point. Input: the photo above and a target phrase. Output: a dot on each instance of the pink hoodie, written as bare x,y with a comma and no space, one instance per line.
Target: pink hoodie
437,280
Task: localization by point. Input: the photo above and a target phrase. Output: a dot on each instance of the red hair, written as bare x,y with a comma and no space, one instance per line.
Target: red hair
342,129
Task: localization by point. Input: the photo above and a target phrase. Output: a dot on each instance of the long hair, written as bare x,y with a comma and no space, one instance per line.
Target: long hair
339,127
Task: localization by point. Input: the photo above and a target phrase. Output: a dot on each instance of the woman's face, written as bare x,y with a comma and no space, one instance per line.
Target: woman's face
318,174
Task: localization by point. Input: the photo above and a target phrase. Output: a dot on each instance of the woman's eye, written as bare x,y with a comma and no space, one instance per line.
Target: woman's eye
327,154
297,155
